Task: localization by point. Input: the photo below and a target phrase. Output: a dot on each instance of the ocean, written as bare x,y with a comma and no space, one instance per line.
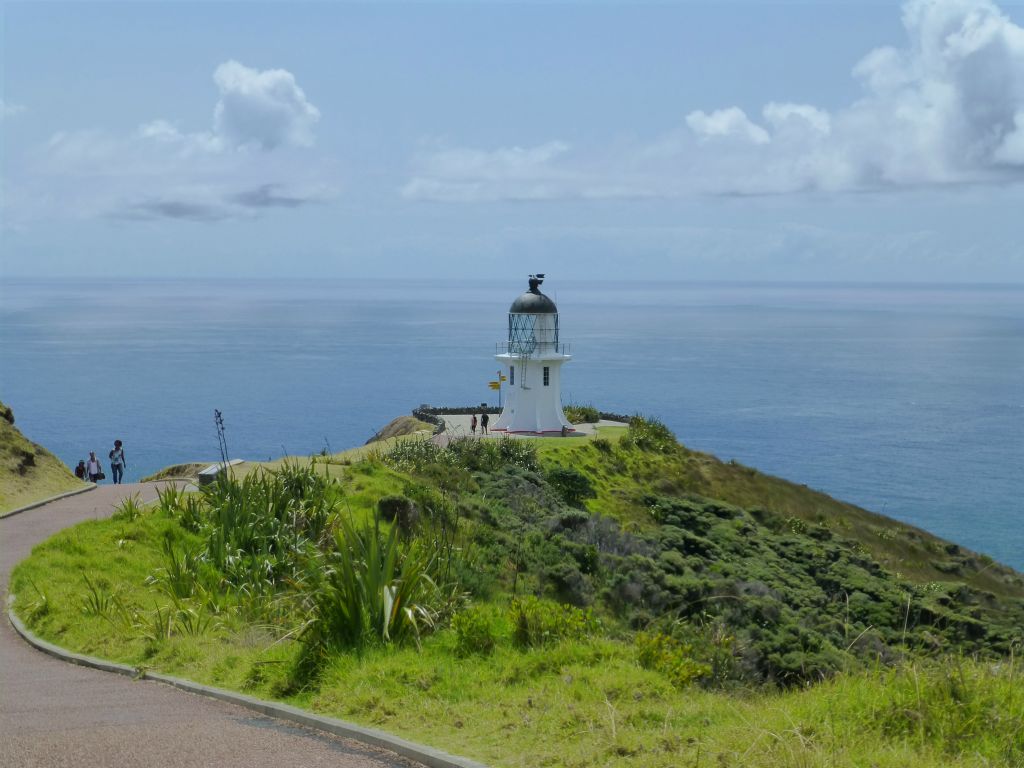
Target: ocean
905,399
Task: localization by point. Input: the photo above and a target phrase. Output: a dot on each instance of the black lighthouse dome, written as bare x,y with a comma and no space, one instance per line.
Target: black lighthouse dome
533,302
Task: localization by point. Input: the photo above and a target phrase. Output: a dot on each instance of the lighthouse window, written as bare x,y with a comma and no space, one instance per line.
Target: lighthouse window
511,375
547,375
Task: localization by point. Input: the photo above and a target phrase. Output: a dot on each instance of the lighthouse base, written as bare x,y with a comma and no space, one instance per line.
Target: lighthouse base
533,404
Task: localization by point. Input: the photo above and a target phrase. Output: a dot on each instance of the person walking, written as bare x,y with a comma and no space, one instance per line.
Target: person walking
117,462
484,418
472,424
93,468
80,471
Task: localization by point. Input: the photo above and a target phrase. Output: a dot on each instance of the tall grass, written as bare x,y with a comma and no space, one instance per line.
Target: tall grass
259,530
468,453
375,589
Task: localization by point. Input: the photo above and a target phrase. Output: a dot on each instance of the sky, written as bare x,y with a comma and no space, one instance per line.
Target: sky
730,140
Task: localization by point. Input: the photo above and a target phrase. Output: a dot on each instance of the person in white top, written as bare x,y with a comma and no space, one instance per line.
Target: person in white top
94,468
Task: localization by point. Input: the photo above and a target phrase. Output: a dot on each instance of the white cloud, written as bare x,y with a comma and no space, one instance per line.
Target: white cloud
725,123
160,130
10,110
266,109
250,160
257,110
1011,149
507,173
942,109
800,117
945,108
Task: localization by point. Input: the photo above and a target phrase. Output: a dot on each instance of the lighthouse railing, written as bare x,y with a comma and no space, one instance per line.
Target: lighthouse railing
531,347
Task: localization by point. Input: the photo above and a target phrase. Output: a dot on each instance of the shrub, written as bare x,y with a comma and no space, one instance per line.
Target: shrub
183,573
130,509
649,434
474,632
572,485
416,455
256,529
540,622
671,657
582,414
602,444
571,519
470,454
374,590
400,510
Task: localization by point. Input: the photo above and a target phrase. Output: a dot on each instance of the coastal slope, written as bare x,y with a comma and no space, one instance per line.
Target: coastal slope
28,472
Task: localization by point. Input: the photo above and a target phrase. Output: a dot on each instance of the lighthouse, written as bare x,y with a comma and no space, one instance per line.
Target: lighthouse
531,360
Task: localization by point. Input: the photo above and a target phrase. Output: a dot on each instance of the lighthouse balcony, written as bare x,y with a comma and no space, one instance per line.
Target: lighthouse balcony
535,349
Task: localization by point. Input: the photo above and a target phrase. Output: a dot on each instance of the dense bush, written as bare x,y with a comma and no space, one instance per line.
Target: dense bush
400,510
415,455
475,632
649,434
538,622
258,531
671,657
464,452
582,414
572,485
374,589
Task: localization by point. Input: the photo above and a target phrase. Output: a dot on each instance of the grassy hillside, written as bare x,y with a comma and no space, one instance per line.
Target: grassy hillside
400,427
558,602
28,472
625,478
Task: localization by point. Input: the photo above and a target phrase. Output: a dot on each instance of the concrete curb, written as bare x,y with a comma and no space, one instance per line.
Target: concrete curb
58,497
433,758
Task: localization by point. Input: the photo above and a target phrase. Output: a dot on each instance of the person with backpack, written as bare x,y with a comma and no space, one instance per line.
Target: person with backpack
94,469
117,462
484,418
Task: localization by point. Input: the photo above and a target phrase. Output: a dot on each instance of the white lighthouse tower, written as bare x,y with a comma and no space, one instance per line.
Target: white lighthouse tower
532,360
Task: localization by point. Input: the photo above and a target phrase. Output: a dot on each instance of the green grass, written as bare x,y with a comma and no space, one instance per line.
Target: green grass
773,634
572,703
28,472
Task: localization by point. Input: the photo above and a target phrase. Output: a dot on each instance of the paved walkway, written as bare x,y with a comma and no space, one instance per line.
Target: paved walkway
457,425
57,714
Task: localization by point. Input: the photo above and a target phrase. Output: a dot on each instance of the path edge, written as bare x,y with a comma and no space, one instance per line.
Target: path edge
58,497
428,756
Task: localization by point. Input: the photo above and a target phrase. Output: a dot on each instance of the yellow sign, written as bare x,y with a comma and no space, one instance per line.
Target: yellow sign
503,378
494,385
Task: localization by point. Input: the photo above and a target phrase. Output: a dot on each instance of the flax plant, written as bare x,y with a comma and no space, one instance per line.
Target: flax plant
372,590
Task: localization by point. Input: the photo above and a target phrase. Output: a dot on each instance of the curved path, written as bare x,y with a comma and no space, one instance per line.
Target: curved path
57,714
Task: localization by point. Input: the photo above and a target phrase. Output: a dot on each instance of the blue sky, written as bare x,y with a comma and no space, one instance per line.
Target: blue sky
728,140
